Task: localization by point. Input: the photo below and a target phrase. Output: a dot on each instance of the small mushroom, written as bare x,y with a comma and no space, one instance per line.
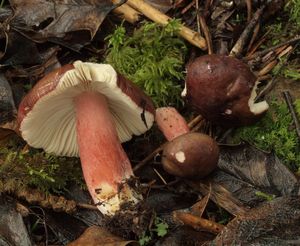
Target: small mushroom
87,110
187,154
223,89
191,155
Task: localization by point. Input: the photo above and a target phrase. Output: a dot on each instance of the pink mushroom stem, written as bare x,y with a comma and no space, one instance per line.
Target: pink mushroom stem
171,122
100,150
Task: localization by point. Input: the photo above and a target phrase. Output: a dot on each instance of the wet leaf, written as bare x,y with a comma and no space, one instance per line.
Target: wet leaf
97,236
12,228
273,223
7,106
247,170
70,23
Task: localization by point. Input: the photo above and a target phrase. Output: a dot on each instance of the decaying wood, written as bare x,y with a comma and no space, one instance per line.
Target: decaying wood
198,223
126,12
288,99
160,18
242,41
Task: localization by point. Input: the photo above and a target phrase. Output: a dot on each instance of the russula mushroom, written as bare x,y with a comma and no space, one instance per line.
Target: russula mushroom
191,155
86,110
223,89
187,154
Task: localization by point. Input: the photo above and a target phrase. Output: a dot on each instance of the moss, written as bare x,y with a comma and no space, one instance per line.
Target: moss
36,168
153,58
275,132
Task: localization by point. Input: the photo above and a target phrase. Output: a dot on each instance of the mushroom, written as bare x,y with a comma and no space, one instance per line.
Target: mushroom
223,89
187,154
87,109
191,155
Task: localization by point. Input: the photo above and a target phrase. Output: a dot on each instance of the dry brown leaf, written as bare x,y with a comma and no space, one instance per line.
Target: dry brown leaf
98,236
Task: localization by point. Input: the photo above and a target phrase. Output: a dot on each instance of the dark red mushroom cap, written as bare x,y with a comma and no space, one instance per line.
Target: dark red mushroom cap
222,89
46,115
191,155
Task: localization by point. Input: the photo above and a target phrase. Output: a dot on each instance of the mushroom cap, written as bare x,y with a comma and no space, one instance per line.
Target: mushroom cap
191,155
222,89
47,116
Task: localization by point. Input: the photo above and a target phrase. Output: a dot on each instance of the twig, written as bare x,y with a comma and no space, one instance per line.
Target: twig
195,121
271,84
266,51
158,17
198,223
249,10
255,33
257,45
198,17
206,33
86,206
288,100
187,8
240,44
160,176
267,68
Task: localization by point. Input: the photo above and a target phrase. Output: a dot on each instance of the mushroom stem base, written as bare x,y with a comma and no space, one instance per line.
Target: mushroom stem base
104,163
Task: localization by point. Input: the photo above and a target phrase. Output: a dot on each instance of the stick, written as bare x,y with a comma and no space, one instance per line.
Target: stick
249,10
240,44
207,35
126,12
288,100
266,51
160,18
271,84
198,223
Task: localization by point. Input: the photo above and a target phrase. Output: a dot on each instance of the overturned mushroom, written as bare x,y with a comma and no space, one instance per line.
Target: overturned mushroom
86,110
187,154
223,89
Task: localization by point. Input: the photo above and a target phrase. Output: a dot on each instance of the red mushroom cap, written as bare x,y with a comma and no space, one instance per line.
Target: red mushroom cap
46,115
223,89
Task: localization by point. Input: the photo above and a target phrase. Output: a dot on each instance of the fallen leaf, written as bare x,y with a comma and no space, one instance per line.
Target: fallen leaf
273,223
7,106
97,236
69,23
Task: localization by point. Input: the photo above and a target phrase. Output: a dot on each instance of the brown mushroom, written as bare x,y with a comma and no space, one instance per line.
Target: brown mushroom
191,155
222,89
187,154
87,110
